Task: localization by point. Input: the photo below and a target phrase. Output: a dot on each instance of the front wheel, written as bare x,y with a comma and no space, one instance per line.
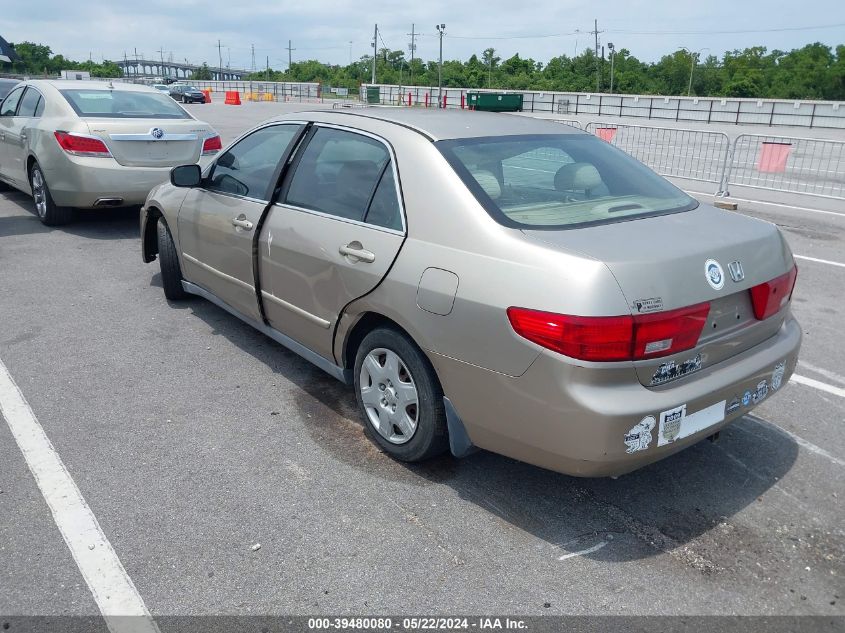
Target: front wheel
168,259
400,397
48,212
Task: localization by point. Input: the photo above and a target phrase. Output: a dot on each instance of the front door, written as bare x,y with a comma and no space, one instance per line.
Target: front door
11,151
332,237
217,221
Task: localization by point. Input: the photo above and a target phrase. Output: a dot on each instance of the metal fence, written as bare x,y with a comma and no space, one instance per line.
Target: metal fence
789,164
768,112
691,154
263,90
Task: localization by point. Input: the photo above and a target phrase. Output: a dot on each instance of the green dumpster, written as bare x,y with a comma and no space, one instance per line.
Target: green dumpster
373,94
494,101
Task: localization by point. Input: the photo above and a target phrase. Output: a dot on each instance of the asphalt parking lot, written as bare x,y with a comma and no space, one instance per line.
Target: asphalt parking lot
194,438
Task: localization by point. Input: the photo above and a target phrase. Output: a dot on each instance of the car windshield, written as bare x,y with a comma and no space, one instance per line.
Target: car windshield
123,104
559,181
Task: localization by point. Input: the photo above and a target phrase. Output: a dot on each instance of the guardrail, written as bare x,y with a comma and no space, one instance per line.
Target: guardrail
691,154
789,164
768,112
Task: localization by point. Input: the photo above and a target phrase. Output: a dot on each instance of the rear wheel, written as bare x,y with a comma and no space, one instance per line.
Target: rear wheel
171,271
400,397
45,207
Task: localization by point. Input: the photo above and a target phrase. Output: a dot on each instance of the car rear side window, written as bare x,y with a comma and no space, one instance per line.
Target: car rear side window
10,103
337,173
247,169
123,104
554,181
30,103
385,209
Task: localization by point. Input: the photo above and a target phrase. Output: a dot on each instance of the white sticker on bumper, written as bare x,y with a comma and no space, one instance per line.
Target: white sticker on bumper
676,424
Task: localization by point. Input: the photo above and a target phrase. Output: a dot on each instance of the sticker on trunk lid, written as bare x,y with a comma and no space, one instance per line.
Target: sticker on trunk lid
672,370
639,437
644,306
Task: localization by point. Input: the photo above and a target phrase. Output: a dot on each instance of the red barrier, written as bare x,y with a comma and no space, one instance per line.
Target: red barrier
233,98
463,100
409,99
207,93
444,101
426,99
606,133
773,157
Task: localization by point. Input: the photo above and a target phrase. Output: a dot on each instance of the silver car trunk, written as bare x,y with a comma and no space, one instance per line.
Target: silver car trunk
659,264
150,142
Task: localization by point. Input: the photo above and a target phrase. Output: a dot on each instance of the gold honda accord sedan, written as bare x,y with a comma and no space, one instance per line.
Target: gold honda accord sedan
94,144
486,280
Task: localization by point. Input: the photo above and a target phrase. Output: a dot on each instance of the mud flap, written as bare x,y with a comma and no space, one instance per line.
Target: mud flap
459,443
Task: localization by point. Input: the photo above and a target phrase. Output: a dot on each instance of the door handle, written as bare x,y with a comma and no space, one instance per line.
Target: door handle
354,249
23,137
242,223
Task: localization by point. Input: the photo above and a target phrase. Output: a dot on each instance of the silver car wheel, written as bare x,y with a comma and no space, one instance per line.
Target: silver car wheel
38,192
389,396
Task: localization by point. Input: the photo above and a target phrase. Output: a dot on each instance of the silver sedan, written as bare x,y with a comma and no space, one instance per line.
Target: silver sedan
73,144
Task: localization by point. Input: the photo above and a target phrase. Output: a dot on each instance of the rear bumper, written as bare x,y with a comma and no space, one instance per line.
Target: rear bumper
78,181
576,420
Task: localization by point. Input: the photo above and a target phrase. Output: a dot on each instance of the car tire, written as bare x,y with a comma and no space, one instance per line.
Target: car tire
48,212
184,100
168,259
400,397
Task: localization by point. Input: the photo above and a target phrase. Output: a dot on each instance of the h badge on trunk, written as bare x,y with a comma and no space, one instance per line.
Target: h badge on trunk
735,269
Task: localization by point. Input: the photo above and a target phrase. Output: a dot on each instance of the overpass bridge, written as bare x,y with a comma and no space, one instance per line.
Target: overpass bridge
174,70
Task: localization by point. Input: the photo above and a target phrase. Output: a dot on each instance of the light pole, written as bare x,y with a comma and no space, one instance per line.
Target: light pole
441,30
693,57
612,57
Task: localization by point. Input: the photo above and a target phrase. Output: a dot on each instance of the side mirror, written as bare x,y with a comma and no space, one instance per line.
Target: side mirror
186,176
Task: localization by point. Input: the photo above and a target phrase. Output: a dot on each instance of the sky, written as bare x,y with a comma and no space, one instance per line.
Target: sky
336,32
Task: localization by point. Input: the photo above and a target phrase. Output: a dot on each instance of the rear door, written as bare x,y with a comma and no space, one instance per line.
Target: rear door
10,149
18,133
333,236
217,222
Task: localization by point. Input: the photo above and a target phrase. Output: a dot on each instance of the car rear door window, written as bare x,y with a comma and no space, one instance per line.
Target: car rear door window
30,103
385,210
248,168
337,173
10,103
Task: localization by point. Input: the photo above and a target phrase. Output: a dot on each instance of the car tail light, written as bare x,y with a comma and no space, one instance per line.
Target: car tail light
769,297
211,145
613,338
81,144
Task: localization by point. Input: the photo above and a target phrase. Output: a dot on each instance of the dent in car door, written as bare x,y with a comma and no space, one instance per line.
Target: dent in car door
217,222
334,236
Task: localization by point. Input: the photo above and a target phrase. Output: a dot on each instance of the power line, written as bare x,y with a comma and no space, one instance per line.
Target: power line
730,32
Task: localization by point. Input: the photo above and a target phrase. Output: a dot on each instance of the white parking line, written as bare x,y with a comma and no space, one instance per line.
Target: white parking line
820,261
589,550
771,204
821,386
108,581
796,438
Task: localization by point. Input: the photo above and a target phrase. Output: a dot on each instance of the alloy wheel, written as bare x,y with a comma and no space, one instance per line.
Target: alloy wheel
39,192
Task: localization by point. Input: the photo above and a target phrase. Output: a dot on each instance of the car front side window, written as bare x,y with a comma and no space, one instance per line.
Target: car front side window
248,168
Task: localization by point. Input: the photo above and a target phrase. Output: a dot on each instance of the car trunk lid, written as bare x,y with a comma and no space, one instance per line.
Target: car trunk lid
662,263
151,142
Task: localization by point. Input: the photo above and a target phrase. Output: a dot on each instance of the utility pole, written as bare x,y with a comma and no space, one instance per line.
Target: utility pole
219,56
441,30
375,52
268,68
253,58
611,48
413,48
161,55
290,54
596,32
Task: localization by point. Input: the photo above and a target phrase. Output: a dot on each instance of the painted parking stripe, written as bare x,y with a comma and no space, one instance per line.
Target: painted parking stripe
113,590
771,204
820,261
817,384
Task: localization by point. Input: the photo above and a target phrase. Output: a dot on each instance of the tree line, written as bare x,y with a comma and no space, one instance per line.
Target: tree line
815,71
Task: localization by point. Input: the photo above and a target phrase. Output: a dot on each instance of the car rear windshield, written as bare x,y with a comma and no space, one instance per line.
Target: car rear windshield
123,104
560,181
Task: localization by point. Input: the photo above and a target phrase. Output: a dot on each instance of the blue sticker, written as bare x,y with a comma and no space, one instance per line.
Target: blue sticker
746,398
